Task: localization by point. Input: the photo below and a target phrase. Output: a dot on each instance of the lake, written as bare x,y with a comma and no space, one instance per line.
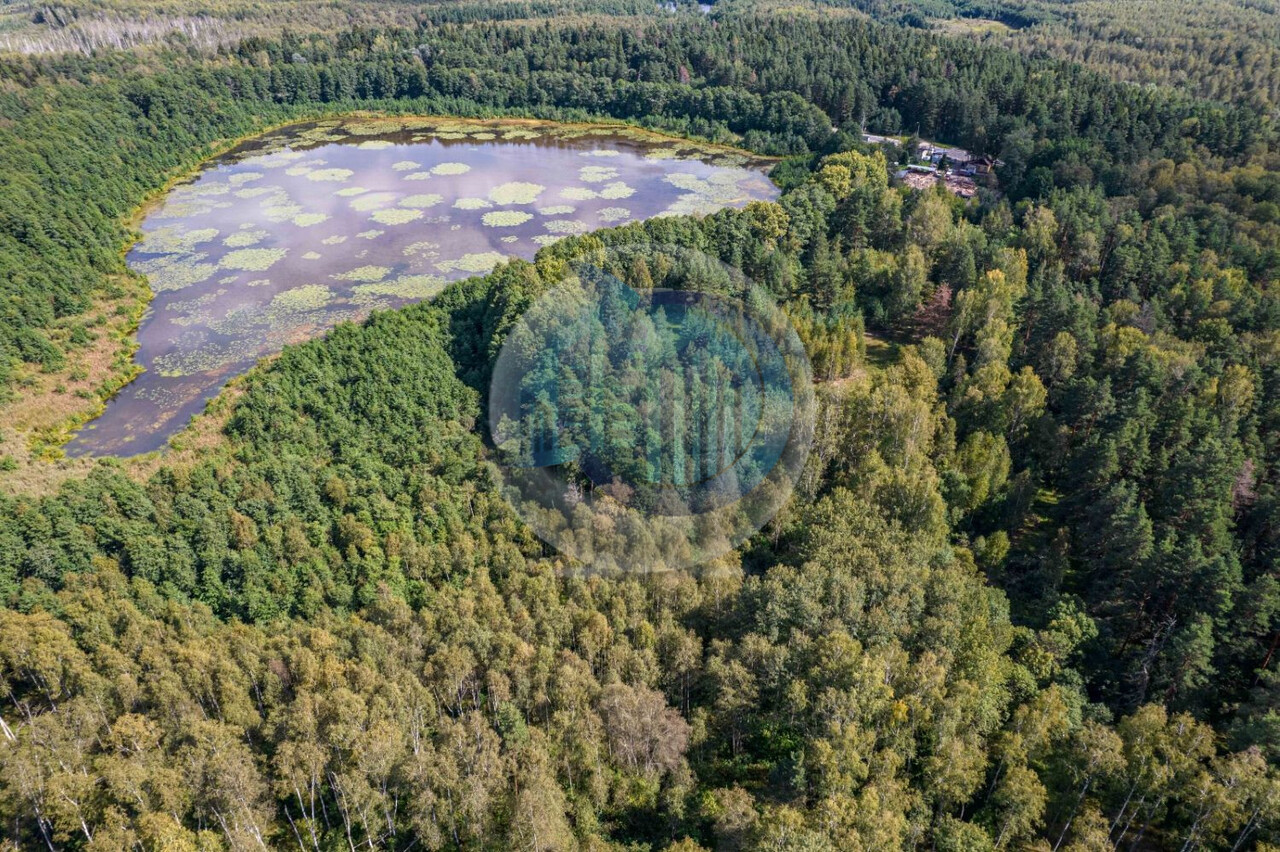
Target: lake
296,231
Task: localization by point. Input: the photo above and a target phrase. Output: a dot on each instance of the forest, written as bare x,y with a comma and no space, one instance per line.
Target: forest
1024,596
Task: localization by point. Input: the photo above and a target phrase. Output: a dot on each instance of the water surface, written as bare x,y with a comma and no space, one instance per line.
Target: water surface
295,232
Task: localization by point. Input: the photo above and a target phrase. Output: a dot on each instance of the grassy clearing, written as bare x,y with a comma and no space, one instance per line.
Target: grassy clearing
49,405
880,352
972,26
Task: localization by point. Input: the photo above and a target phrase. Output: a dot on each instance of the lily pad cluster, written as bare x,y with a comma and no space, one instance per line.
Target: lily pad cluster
316,224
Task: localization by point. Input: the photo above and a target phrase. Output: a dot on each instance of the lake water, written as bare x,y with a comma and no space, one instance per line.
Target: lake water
286,236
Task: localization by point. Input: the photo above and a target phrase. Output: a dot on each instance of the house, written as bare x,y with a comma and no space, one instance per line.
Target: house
963,162
930,152
982,165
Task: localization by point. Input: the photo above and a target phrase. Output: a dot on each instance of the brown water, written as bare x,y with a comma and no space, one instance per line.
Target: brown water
289,235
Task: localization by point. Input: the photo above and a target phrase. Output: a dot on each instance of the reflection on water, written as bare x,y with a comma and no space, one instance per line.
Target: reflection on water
300,230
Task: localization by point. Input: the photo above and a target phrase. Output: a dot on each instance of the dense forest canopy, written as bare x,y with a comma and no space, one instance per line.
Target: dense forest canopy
1024,595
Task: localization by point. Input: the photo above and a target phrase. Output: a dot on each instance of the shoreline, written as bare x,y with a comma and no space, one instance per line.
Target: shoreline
45,443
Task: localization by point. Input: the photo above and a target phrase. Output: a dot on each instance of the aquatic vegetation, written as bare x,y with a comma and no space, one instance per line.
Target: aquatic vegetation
178,274
596,174
279,160
189,305
662,154
201,358
321,134
281,212
420,248
403,287
373,126
189,209
255,191
336,175
617,190
690,205
566,226
728,177
173,239
448,125
516,192
380,247
199,318
687,182
395,216
364,273
200,189
252,259
578,193
306,297
271,195
505,218
243,239
614,214
475,262
372,201
422,200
